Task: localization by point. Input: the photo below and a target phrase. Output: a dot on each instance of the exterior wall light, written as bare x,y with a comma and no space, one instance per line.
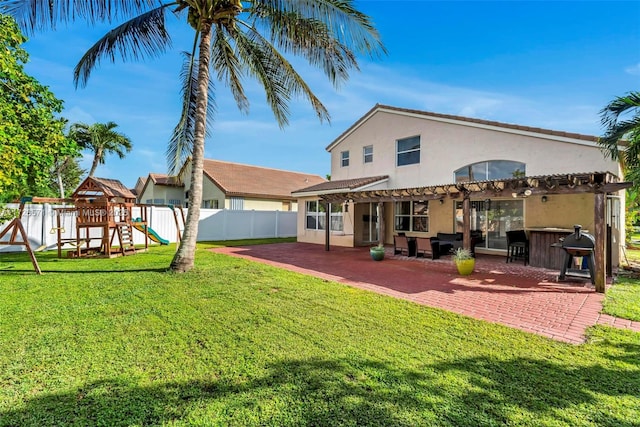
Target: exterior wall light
544,199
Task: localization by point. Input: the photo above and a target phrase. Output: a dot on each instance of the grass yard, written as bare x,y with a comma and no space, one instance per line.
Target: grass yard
115,342
623,299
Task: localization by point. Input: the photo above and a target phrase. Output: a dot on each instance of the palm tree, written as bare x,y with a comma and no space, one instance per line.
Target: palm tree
233,39
621,120
101,139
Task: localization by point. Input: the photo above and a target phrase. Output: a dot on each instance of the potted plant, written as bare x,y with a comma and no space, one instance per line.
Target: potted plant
377,252
465,262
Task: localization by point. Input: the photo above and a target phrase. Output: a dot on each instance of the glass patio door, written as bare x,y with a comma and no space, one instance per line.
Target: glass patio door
370,223
494,218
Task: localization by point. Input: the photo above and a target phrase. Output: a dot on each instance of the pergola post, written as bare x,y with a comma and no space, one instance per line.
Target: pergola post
381,229
600,235
466,222
327,225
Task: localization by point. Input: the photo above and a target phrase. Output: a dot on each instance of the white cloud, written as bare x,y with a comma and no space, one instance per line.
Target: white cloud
76,114
634,70
150,161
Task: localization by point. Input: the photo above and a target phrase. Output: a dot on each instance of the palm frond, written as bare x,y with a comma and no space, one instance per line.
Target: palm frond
141,37
182,137
227,67
347,25
617,129
313,40
276,74
37,15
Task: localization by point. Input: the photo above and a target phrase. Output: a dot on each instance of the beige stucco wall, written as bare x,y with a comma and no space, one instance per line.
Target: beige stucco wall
561,211
161,192
344,238
210,191
446,147
259,204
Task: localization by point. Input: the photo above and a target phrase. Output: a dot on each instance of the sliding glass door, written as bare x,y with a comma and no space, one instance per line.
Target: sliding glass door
370,223
494,218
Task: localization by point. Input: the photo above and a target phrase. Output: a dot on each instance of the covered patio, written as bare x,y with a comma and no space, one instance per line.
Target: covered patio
601,185
521,297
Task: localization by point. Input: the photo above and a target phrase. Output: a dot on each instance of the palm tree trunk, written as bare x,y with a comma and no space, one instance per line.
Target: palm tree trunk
184,257
96,159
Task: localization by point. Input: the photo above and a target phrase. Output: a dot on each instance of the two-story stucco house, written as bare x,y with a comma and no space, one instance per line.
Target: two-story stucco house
405,171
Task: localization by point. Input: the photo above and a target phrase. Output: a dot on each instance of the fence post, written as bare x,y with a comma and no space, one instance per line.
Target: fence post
277,221
253,220
224,224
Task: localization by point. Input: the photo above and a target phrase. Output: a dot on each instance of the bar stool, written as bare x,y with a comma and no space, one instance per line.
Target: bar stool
517,246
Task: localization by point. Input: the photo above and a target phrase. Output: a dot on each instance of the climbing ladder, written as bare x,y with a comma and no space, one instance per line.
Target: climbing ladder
124,231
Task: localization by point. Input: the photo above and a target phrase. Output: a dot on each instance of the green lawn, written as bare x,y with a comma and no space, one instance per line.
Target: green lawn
121,342
623,299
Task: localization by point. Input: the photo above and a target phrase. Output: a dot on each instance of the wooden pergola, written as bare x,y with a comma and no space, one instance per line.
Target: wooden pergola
600,184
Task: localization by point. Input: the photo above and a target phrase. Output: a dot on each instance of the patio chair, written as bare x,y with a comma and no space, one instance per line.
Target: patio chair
423,246
517,246
400,245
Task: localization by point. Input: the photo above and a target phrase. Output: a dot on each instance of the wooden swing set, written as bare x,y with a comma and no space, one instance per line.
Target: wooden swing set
98,203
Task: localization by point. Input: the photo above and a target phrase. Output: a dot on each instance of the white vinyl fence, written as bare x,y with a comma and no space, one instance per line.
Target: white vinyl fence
39,221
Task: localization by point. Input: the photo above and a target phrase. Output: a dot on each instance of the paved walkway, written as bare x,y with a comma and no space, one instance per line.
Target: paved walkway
511,294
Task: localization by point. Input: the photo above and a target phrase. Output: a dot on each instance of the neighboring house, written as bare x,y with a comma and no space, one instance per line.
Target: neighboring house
159,189
137,190
237,186
232,186
400,170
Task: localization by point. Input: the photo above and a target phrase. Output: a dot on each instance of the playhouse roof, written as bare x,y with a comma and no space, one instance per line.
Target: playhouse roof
105,187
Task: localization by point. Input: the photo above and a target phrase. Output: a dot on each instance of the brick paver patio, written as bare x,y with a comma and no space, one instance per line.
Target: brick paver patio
511,294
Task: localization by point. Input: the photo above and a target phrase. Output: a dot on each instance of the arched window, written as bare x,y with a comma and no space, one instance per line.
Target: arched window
492,169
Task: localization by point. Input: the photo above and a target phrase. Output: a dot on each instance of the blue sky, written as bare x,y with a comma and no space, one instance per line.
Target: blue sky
537,63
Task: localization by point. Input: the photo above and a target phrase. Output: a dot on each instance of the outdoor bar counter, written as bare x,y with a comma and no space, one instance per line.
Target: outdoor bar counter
541,251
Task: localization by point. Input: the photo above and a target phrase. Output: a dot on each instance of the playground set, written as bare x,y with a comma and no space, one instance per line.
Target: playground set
103,211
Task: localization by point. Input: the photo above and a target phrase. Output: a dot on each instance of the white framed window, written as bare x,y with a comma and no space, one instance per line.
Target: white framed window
408,151
175,201
367,154
411,216
315,213
210,204
344,159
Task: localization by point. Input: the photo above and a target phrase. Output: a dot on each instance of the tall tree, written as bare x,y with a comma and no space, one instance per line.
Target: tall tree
101,139
621,139
233,39
66,175
31,133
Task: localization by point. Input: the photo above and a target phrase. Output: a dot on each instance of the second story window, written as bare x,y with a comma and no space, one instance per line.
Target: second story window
344,159
367,152
408,151
492,169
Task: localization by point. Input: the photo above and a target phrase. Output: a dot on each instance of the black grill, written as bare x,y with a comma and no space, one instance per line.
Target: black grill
575,245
